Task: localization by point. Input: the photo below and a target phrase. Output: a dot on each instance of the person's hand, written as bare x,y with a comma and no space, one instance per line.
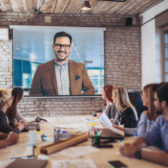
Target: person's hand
118,127
128,150
3,135
12,138
21,125
23,121
112,120
16,124
146,112
98,114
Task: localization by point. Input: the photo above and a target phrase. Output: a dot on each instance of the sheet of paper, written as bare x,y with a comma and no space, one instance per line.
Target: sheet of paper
16,152
87,163
106,121
77,151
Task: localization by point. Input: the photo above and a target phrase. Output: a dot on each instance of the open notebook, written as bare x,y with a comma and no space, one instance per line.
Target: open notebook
107,123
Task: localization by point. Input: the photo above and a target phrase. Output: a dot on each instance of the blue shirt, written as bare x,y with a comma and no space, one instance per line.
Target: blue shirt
157,135
144,125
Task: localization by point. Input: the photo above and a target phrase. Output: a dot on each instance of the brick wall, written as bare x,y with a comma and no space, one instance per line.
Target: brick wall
122,59
59,106
5,64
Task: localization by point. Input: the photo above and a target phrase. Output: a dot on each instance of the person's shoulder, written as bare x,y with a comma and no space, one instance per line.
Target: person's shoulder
46,64
2,115
161,120
129,110
74,63
1,112
109,104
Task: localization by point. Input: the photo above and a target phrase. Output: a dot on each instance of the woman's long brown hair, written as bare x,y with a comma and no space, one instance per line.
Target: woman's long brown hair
17,94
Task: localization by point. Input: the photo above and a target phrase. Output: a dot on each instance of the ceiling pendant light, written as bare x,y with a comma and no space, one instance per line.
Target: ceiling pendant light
86,5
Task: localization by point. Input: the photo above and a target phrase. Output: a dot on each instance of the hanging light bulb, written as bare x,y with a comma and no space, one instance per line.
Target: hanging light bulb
86,5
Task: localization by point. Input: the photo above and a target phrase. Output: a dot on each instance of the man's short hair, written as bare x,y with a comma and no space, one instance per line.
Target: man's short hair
62,34
162,93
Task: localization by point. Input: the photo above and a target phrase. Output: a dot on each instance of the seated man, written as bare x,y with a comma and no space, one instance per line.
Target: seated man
156,136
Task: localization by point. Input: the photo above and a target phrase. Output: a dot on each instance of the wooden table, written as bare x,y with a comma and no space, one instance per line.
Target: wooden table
100,157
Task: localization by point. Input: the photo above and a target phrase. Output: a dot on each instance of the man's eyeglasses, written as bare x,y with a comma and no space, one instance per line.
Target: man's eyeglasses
65,46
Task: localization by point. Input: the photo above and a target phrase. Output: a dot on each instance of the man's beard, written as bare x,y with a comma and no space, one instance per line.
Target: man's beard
61,59
159,112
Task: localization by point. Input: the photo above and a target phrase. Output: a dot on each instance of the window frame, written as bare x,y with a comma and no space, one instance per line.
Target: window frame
164,59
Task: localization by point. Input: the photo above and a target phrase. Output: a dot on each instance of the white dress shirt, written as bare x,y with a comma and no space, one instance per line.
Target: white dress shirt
62,77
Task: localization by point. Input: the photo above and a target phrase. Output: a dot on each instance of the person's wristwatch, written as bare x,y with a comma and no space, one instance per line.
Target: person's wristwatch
138,154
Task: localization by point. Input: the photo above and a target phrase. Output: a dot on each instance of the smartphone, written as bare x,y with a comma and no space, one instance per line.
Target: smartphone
117,164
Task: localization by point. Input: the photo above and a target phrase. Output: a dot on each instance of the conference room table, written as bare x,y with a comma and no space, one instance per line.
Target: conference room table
82,152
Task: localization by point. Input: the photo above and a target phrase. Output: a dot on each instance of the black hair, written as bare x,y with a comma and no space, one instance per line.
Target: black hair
162,93
62,34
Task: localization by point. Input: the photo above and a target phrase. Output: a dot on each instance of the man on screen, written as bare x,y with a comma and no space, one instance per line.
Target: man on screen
61,76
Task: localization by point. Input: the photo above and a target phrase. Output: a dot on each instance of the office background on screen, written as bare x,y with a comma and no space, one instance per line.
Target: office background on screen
32,45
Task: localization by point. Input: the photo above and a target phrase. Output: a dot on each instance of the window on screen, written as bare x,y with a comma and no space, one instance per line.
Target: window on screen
32,46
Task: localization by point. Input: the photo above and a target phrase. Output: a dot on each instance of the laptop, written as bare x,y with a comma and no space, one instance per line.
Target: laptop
31,126
106,133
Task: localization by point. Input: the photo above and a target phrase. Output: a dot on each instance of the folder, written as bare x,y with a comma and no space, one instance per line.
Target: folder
28,163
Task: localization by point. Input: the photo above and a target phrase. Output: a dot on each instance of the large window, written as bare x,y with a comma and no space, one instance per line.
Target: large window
166,56
32,45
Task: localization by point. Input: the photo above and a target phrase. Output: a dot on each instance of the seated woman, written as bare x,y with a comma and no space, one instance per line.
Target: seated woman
8,134
109,107
148,116
12,113
5,103
127,114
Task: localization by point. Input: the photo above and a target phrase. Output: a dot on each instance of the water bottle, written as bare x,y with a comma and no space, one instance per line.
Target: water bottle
32,136
56,134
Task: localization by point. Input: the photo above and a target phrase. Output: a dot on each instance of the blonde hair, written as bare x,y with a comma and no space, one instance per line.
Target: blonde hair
123,101
4,96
